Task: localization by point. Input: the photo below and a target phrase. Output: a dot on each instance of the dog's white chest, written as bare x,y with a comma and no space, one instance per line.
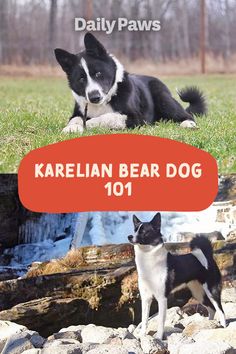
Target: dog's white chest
152,270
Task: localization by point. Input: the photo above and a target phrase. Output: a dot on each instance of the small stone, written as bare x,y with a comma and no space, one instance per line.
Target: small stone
168,331
77,328
132,345
131,328
152,345
67,335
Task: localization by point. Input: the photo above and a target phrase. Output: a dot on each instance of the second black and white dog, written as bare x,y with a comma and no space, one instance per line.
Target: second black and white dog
160,272
114,98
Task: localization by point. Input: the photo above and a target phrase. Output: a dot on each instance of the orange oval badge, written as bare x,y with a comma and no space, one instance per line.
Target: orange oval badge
117,172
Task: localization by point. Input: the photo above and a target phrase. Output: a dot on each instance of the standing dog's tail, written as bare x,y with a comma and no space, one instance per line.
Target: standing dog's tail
202,249
196,99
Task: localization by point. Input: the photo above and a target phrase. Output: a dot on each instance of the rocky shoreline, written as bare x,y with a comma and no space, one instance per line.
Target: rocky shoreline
87,284
187,331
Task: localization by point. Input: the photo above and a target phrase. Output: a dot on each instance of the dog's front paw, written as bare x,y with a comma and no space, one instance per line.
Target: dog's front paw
188,124
158,335
75,125
139,333
73,128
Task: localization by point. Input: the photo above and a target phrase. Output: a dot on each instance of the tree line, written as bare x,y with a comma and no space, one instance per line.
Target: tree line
31,29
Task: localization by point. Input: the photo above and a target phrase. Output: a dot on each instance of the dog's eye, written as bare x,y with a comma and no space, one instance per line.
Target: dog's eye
98,74
81,80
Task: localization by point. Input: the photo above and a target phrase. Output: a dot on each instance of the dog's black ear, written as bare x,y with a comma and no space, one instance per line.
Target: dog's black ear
156,221
136,222
65,59
93,46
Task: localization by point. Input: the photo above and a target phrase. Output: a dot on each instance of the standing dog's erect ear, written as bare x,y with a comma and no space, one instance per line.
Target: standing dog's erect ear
136,222
93,46
65,59
156,221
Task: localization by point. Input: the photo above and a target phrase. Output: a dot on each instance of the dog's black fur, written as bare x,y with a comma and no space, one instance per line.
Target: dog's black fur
143,99
170,272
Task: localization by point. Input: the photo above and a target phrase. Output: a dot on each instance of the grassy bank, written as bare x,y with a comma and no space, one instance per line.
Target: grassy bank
33,112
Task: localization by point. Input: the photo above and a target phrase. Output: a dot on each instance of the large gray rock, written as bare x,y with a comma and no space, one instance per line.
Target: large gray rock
132,345
18,343
66,335
8,329
62,346
173,316
176,341
217,347
108,349
230,310
229,294
226,335
196,326
96,334
32,351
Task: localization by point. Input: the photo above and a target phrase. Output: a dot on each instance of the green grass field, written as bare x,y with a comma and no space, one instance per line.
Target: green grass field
33,111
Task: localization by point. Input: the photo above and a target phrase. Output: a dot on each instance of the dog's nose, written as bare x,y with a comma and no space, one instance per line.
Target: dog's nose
130,238
94,97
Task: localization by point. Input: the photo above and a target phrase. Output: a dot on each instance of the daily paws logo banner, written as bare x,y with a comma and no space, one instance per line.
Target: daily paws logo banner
117,172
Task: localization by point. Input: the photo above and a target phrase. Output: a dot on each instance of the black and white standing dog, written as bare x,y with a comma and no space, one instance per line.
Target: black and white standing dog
160,272
117,99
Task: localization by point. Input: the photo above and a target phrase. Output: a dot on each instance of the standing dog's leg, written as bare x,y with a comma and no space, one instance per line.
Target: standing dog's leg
162,307
215,300
146,304
146,298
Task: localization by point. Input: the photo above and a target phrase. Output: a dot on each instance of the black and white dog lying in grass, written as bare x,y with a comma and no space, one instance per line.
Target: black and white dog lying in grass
116,99
160,272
